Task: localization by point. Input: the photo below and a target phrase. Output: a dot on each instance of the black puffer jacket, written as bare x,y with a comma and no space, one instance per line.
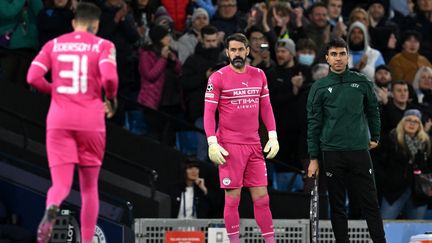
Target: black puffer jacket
194,79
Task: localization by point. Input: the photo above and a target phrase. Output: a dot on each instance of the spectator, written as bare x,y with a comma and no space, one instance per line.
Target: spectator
19,38
228,19
54,20
159,69
190,197
405,64
318,29
188,41
163,18
392,112
196,71
288,84
423,88
423,85
259,55
280,20
306,52
405,150
258,16
359,14
382,80
423,24
363,57
336,21
118,25
383,32
143,13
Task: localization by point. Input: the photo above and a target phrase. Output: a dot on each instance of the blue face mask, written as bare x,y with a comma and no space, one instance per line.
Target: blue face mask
306,59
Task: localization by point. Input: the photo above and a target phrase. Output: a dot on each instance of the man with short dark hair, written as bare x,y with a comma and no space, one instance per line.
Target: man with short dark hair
195,73
343,124
82,66
240,93
383,79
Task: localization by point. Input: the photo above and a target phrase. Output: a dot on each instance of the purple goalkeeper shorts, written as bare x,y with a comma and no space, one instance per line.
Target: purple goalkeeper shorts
245,166
85,148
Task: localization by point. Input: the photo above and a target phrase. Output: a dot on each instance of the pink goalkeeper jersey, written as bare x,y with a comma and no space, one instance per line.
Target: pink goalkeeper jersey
82,65
239,98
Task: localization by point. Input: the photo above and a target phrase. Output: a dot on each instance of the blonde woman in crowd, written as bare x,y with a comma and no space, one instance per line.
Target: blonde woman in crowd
404,151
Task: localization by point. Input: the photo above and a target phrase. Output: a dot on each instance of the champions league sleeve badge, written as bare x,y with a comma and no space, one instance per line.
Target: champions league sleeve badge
210,87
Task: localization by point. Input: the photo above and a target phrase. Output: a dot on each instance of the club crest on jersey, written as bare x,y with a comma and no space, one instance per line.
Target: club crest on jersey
210,87
330,89
226,181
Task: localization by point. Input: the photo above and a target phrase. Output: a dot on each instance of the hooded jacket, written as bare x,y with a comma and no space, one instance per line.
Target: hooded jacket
375,57
342,114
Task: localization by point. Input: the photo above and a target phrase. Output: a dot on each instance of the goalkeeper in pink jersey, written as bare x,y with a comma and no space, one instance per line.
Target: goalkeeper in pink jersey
240,94
82,66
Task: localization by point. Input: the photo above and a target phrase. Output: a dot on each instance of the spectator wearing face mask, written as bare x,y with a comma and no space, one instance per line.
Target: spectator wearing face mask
306,52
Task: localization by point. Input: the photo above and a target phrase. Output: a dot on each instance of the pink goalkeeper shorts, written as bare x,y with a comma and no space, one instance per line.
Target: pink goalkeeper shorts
245,166
84,148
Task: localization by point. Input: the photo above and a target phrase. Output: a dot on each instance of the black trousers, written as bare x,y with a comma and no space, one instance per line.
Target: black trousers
351,171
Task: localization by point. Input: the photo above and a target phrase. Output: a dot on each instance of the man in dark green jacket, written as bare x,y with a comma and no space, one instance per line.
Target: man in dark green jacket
343,123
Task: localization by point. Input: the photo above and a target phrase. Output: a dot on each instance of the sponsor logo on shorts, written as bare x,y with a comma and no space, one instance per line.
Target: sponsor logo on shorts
209,95
226,181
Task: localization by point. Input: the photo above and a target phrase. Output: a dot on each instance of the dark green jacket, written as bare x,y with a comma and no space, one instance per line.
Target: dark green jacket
342,109
13,13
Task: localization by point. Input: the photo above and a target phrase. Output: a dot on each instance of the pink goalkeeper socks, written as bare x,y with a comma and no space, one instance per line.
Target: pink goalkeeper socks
231,215
89,201
263,218
234,238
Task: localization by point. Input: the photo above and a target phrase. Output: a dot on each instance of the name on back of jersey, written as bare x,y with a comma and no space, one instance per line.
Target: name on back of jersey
75,47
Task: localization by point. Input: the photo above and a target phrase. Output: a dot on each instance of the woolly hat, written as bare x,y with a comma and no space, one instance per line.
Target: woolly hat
287,44
157,32
413,112
384,3
198,12
162,14
382,66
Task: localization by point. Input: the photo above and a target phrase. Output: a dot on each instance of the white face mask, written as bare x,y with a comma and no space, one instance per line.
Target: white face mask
306,59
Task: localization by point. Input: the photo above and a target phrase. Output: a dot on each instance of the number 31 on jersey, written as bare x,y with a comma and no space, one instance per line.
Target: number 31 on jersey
78,74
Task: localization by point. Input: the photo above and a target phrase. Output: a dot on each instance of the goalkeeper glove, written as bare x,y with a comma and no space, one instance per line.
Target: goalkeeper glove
215,151
272,146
